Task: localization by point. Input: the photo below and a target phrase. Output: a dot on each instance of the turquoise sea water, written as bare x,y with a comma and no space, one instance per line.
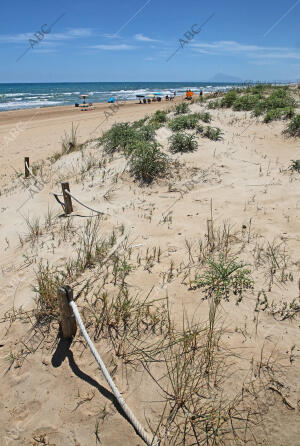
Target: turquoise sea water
20,96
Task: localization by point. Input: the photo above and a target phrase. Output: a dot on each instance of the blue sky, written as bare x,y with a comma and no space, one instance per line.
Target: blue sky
132,40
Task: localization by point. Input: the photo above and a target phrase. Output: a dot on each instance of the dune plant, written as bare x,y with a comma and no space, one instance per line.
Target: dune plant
160,116
214,104
140,122
213,133
117,137
182,108
205,117
124,137
184,122
69,142
229,98
182,142
293,127
224,276
295,165
147,162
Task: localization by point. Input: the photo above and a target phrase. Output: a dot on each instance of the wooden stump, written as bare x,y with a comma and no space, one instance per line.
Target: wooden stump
67,318
67,199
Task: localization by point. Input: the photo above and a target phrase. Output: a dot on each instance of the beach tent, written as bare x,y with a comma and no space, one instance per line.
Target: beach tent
111,100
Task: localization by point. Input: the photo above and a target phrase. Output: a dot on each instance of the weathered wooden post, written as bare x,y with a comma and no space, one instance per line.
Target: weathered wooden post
26,162
67,318
67,198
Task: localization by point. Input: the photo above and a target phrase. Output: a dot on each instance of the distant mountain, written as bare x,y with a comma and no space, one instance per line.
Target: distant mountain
221,77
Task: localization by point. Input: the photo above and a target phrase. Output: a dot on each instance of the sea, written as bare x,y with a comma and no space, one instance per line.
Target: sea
36,95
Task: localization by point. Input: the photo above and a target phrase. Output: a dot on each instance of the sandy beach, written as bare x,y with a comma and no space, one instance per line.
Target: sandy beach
40,130
241,184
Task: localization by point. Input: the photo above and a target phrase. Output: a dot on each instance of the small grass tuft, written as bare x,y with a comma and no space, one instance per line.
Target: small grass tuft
223,277
213,133
70,141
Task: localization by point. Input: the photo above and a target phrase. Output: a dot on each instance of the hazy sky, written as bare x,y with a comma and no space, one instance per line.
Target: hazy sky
132,40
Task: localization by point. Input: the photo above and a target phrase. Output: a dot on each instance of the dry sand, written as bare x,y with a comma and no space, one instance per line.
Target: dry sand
60,398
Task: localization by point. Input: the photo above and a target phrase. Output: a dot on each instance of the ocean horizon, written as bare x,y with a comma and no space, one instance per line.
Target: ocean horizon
14,96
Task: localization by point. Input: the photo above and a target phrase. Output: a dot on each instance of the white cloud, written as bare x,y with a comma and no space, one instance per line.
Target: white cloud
111,36
142,38
229,47
120,47
72,33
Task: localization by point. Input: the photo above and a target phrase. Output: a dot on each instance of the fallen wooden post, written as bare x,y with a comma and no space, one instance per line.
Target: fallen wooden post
26,162
67,319
67,198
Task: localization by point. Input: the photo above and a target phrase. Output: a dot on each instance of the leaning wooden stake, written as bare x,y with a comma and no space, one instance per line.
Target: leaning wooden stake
67,199
26,161
67,318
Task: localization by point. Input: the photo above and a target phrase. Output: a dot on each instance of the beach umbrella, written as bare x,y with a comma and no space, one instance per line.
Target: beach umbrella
83,96
140,96
150,95
158,94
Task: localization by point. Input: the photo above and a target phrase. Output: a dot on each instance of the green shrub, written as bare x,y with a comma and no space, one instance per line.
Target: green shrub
160,116
295,165
139,123
117,137
214,104
279,113
182,108
158,119
146,133
184,122
246,102
147,162
205,117
229,98
182,142
288,112
293,128
124,137
272,115
259,108
280,98
213,133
